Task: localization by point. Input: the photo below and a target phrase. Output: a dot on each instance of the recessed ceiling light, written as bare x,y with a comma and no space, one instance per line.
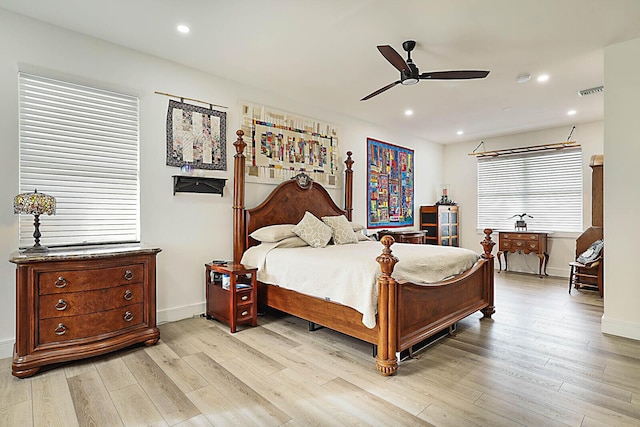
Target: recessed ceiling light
523,78
572,112
460,132
408,113
543,77
183,29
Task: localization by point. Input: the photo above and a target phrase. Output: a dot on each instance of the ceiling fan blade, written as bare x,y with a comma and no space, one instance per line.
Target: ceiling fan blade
379,91
393,57
454,75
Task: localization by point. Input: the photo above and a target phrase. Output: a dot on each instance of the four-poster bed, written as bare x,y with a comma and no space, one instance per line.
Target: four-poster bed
407,313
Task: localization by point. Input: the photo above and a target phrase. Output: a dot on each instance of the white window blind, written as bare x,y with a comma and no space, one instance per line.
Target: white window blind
80,145
546,185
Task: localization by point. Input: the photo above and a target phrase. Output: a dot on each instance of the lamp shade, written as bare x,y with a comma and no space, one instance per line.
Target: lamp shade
34,203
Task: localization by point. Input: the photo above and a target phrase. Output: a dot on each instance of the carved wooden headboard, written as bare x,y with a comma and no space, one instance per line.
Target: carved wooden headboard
286,204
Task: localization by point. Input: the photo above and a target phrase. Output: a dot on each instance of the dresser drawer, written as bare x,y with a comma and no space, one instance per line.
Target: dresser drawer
89,279
77,303
57,330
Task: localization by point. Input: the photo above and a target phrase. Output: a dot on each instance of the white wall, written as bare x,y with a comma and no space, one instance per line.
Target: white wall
461,174
621,192
192,229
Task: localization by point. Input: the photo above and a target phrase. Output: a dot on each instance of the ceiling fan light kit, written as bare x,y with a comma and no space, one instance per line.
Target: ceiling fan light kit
410,74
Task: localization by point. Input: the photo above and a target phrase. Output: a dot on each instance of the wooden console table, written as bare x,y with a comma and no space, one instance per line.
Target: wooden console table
529,242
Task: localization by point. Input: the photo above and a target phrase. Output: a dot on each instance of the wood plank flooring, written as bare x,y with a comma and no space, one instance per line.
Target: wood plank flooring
541,361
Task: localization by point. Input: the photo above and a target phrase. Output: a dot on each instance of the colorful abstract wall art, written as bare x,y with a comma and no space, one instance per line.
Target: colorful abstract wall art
389,185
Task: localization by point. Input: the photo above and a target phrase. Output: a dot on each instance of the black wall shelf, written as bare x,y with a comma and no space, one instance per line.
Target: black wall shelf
198,184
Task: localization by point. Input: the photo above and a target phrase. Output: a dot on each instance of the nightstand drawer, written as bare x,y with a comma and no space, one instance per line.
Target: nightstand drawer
244,312
78,303
90,325
245,296
82,280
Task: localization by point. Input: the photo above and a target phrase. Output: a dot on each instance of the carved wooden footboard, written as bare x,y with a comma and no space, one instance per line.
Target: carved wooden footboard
407,313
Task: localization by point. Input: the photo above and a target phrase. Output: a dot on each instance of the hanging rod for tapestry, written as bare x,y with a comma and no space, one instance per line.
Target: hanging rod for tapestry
182,99
529,149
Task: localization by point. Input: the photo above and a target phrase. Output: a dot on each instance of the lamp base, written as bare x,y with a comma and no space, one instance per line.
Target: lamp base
36,249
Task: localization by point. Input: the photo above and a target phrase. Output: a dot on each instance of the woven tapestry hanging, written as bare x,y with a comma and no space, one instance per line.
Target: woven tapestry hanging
281,145
389,185
196,137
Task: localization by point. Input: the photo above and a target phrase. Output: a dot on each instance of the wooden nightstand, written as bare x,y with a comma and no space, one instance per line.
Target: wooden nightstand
236,305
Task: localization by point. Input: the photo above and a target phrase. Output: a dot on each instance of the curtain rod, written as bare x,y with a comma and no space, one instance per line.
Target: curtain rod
182,99
529,149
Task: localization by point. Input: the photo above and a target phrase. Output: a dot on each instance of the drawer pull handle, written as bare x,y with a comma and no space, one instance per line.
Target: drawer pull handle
61,282
61,305
244,313
244,297
60,330
128,295
128,316
128,274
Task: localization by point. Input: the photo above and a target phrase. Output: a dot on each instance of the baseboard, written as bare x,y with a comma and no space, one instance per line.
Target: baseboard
6,348
551,271
620,328
178,313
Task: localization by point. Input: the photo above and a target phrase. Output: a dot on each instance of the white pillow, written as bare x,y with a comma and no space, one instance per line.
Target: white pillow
292,242
341,228
356,227
362,237
313,231
273,233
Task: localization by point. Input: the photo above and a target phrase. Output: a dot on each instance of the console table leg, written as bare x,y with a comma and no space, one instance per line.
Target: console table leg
546,262
541,257
499,261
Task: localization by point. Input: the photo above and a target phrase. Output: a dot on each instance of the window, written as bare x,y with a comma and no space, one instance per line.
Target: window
80,145
546,185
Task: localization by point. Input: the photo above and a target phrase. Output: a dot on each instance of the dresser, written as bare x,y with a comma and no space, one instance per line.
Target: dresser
527,242
416,236
441,222
76,303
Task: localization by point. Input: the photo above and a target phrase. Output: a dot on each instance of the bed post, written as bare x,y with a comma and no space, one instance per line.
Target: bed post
487,246
348,187
239,238
386,360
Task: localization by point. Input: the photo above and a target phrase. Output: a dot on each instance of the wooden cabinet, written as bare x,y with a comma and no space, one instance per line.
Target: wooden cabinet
233,299
72,304
416,237
441,223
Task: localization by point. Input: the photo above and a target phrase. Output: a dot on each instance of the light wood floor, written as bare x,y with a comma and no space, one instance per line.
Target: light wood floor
541,361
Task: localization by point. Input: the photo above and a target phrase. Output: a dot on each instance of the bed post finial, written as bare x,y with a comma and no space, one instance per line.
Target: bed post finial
348,186
238,198
487,245
386,361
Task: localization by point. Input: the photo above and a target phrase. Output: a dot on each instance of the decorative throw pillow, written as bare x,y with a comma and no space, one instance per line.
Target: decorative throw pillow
313,231
341,228
273,233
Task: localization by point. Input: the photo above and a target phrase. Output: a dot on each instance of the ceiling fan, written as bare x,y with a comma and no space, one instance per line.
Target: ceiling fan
409,73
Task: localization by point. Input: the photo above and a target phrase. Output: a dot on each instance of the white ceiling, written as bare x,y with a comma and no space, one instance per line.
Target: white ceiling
324,52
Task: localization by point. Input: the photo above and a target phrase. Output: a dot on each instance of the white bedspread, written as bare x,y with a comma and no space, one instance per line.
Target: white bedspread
347,273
